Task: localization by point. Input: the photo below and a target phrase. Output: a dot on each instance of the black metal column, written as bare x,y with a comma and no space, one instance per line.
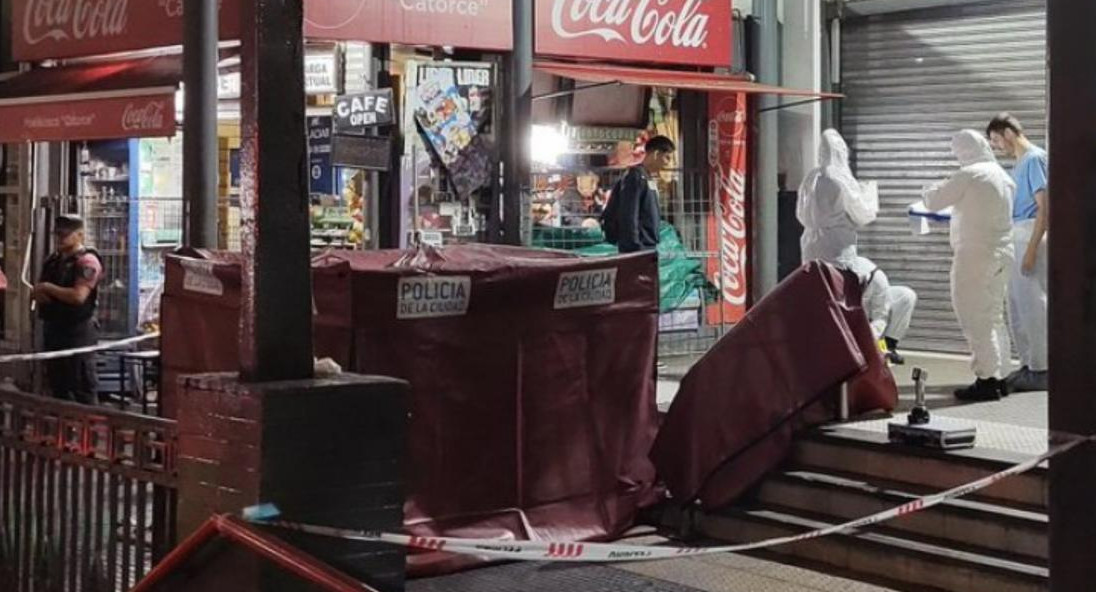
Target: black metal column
1072,292
519,108
276,305
200,37
389,209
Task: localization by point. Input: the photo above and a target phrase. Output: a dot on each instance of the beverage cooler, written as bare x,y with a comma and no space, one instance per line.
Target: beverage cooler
131,200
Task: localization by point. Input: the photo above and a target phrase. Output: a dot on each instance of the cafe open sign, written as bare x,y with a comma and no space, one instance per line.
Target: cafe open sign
353,113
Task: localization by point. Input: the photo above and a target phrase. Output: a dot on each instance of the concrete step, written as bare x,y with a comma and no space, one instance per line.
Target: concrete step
845,451
986,527
910,564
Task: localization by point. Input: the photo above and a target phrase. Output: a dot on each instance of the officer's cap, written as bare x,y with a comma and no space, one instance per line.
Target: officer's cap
68,223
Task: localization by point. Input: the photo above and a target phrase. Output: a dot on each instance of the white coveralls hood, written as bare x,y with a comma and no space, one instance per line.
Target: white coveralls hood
981,193
832,205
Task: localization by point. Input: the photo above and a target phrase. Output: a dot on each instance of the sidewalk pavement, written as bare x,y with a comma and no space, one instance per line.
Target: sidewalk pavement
717,573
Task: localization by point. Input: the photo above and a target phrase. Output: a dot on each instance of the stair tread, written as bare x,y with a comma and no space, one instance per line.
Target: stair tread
844,435
801,523
872,459
888,529
902,492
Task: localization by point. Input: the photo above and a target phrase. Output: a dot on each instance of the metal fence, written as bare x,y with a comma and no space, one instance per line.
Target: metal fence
87,495
131,236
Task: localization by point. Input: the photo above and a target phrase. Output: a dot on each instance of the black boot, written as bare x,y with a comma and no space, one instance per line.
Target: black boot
892,352
983,389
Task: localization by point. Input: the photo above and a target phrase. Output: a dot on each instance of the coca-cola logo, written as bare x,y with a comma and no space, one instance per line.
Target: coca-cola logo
727,156
641,22
150,116
172,8
60,20
732,226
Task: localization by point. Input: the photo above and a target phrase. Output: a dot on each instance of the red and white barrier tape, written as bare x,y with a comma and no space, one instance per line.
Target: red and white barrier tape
607,552
55,355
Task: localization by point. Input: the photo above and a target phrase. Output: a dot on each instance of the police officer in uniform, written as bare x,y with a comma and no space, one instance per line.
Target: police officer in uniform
66,295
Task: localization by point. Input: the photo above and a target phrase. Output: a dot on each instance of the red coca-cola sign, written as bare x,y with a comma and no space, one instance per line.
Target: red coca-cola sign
45,29
727,226
88,119
477,24
694,32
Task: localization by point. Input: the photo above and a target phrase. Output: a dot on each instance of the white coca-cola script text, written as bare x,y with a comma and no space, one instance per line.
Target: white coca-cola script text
640,22
149,116
59,20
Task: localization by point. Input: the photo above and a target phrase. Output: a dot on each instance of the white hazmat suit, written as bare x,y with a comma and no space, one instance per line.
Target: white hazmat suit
889,308
832,205
981,229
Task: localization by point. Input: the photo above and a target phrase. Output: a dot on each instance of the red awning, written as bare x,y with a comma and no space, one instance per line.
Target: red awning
701,81
125,99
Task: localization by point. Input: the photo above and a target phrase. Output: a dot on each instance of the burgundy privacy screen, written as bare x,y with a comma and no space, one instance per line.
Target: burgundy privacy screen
773,374
532,373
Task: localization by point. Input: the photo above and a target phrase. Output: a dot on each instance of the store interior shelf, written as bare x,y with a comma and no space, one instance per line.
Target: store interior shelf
108,180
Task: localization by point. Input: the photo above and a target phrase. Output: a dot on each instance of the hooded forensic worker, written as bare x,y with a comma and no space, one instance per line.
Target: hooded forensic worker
833,205
981,193
889,308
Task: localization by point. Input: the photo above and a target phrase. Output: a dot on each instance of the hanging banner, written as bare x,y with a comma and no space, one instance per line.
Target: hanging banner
472,81
693,32
321,73
452,106
46,29
727,227
321,175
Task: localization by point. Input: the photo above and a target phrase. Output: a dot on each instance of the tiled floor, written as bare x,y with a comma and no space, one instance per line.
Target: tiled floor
1015,424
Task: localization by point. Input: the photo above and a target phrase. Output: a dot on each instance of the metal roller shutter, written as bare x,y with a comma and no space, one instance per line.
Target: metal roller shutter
913,79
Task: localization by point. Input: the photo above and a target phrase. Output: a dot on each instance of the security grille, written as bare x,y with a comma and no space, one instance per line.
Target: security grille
912,80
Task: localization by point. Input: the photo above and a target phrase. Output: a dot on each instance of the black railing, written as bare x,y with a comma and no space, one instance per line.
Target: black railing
87,495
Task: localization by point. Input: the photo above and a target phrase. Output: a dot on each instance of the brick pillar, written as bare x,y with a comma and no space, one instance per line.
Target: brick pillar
326,452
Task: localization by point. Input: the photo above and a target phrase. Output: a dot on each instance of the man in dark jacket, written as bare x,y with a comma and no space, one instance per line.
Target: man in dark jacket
66,294
631,219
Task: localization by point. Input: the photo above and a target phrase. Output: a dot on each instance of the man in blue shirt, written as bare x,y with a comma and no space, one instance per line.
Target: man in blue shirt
1027,292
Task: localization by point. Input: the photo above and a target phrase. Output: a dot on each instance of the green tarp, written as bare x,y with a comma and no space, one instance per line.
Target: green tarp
680,276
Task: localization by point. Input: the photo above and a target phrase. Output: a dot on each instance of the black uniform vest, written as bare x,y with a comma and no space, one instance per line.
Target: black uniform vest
61,270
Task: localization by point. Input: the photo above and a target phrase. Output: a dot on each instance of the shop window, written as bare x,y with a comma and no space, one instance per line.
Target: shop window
615,106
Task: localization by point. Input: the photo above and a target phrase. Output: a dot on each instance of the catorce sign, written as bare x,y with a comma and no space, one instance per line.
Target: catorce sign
694,32
88,119
727,229
479,24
